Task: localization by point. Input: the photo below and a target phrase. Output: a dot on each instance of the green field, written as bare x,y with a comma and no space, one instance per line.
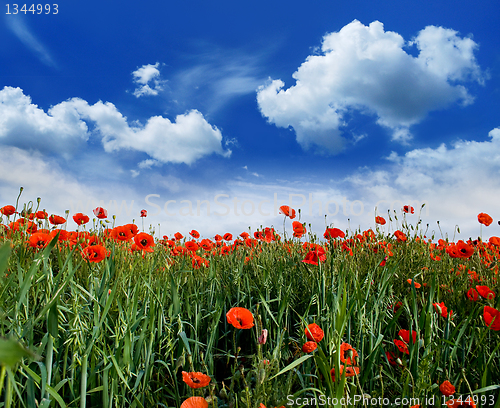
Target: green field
95,317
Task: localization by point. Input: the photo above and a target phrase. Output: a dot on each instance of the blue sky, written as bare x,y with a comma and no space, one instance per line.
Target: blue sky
345,106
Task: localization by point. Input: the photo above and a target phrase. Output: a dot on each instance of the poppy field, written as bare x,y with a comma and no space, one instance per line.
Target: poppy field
94,314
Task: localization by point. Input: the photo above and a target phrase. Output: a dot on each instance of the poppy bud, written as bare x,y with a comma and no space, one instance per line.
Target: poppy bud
261,376
263,337
223,392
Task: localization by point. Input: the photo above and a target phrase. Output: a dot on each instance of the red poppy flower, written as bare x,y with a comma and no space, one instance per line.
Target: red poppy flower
380,220
195,234
491,317
348,354
121,233
218,238
225,250
240,318
408,209
452,251
314,332
349,372
56,220
258,235
244,235
494,241
144,213
268,234
464,250
287,211
402,346
63,234
39,240
100,213
405,335
314,257
134,229
41,215
206,244
195,402
8,210
144,241
332,233
80,218
398,305
23,223
384,261
197,262
447,388
309,346
195,380
455,403
442,309
485,292
191,245
400,236
472,294
417,285
249,242
94,253
391,358
298,229
228,236
484,219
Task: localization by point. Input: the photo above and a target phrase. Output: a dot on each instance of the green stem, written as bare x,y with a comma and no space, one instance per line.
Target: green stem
48,361
83,384
2,378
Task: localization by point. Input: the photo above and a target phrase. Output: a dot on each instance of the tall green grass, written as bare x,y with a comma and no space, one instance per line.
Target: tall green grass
119,333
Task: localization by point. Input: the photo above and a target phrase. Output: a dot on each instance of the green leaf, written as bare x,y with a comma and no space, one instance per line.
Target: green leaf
185,340
293,365
175,298
4,257
12,352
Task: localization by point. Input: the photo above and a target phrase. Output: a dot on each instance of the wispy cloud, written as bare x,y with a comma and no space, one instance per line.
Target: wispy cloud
21,30
215,78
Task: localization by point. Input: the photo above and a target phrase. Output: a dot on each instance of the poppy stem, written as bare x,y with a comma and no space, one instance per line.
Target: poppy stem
17,202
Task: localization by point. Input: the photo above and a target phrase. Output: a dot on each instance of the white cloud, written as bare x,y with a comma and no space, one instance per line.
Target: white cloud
186,140
144,76
365,68
21,30
64,129
24,124
456,182
147,164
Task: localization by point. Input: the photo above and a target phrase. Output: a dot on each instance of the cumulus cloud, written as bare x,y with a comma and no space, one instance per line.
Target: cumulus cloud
64,128
367,69
148,79
186,140
24,124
